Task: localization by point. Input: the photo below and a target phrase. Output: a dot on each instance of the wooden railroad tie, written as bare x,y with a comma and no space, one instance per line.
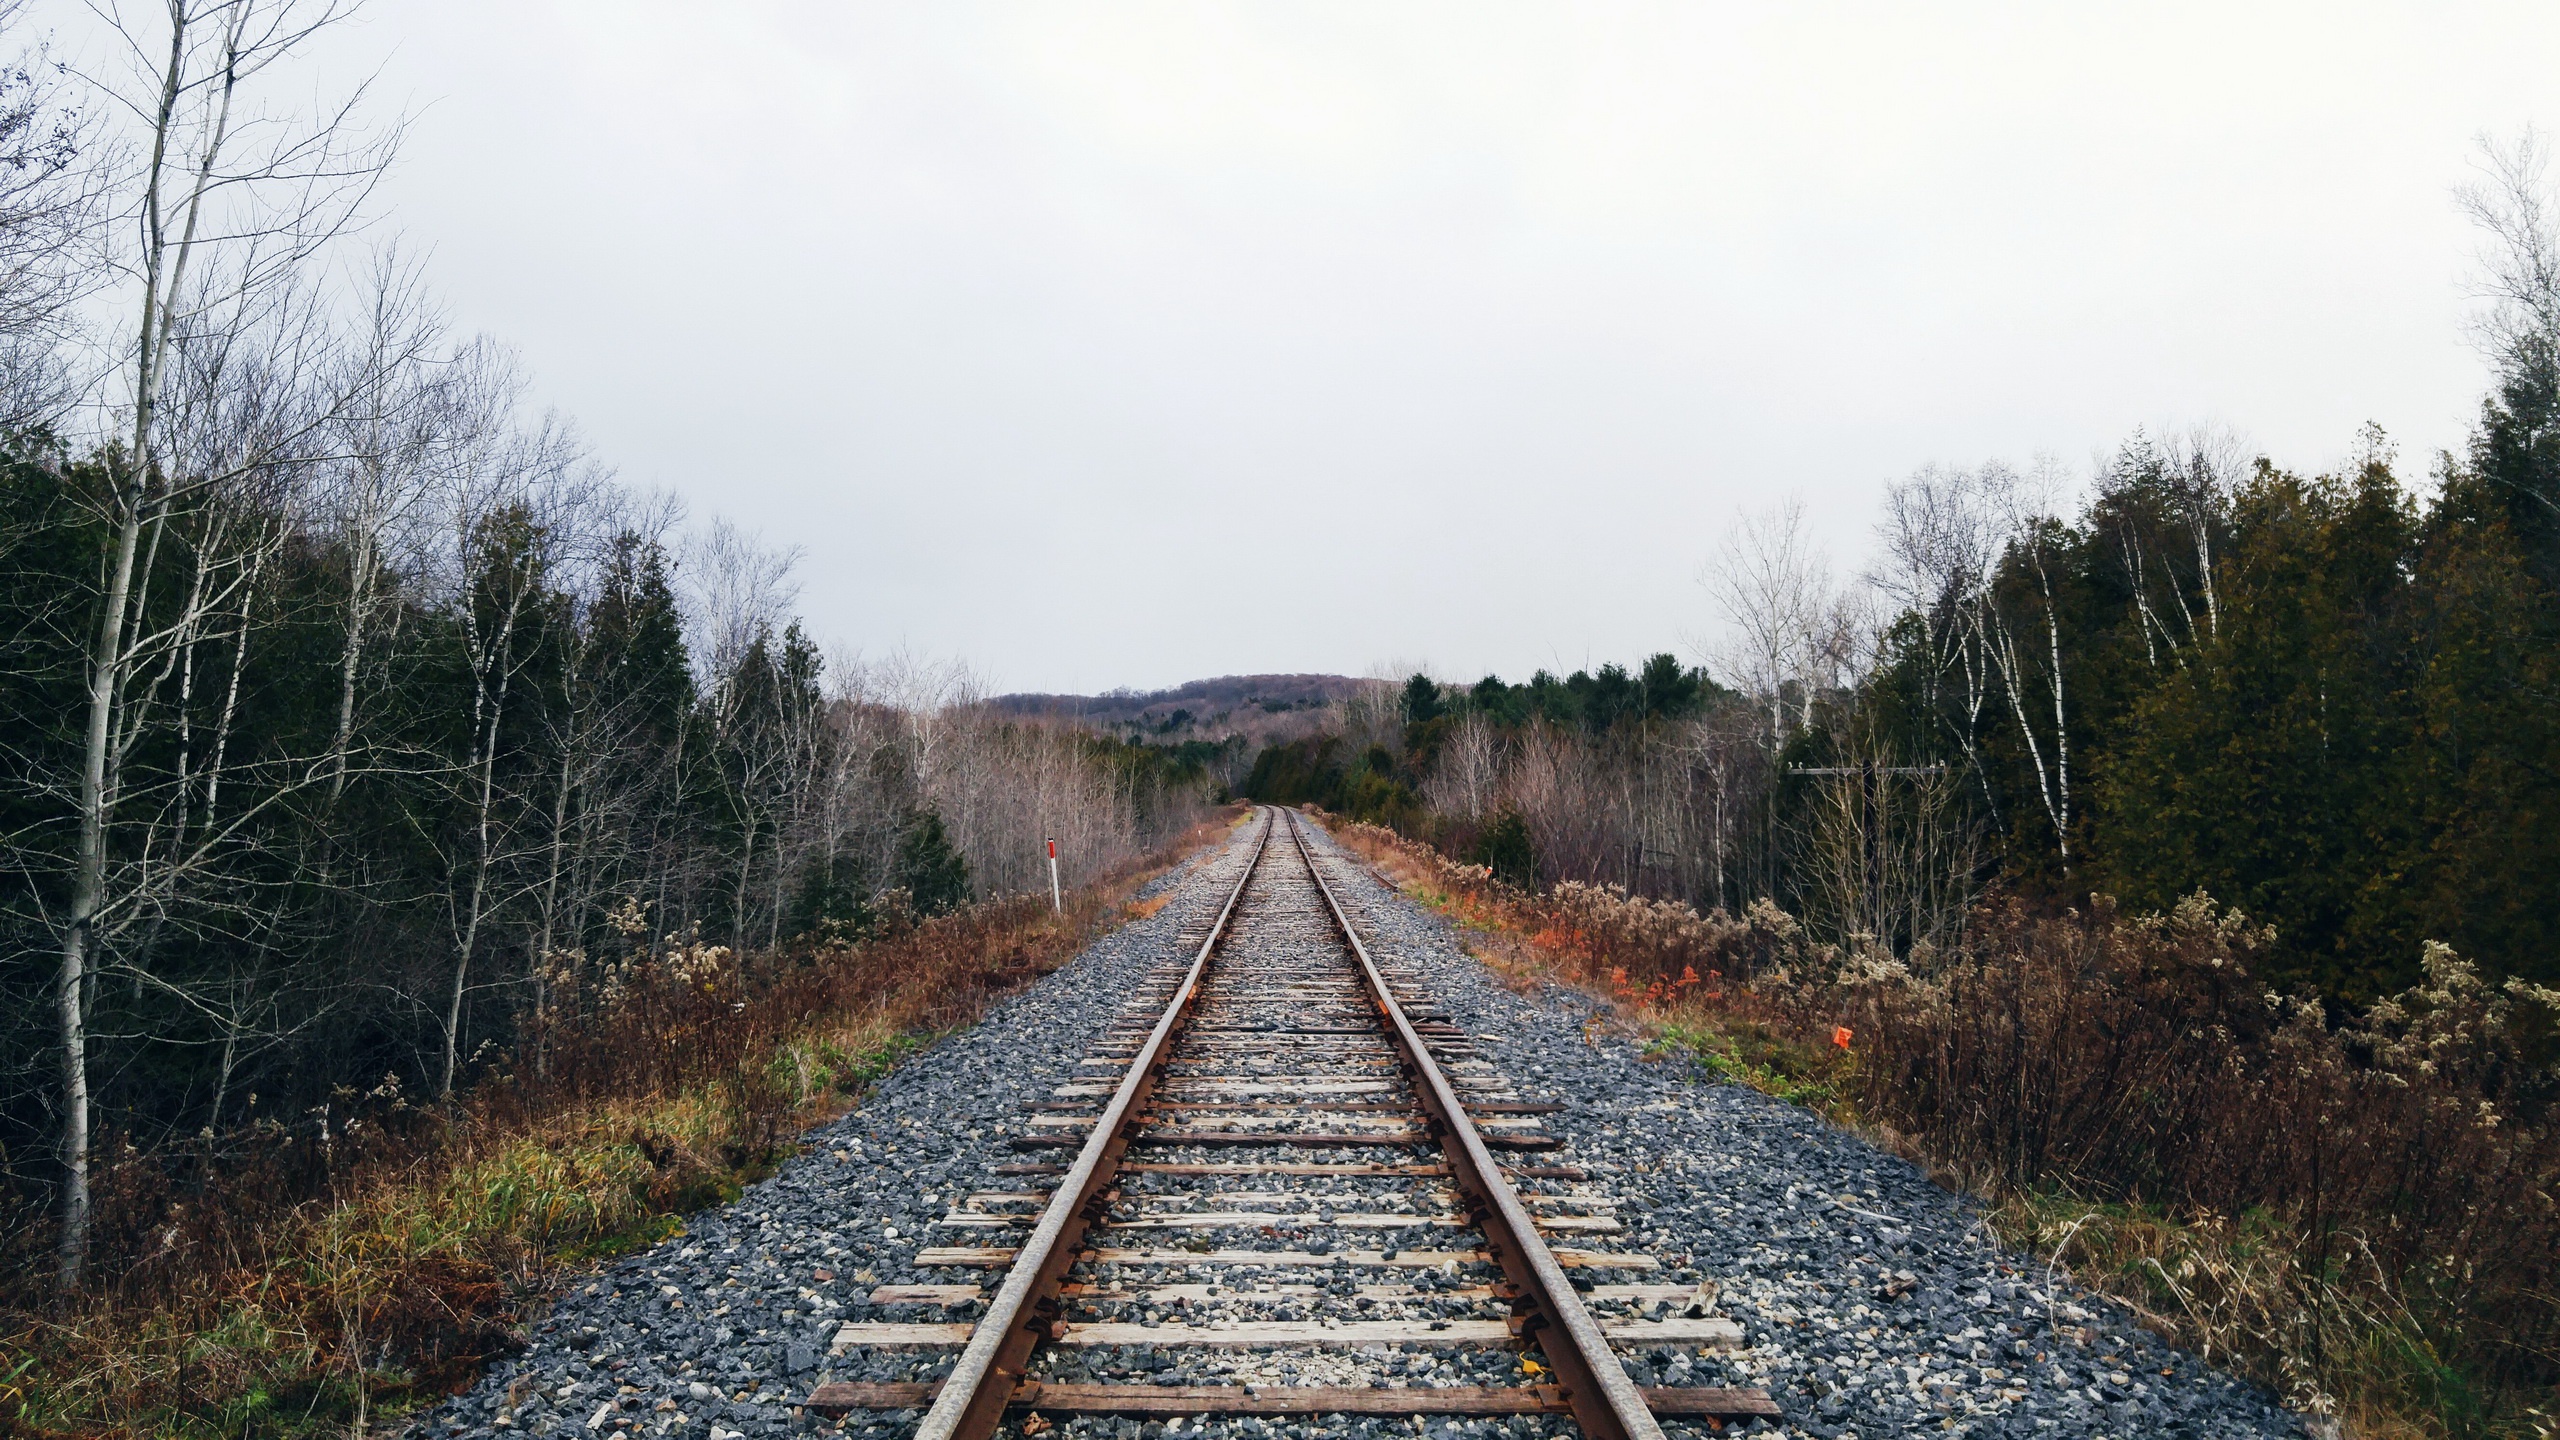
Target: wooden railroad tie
1223,1137
1713,1330
841,1398
1524,1172
997,1257
1357,1055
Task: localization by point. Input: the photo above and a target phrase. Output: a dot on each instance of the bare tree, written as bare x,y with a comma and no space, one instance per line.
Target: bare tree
930,694
759,684
1775,588
1373,714
1469,769
1888,853
49,206
1972,554
2030,664
1012,786
2516,274
1840,649
870,782
507,508
406,426
1729,769
910,735
597,791
1943,533
737,590
221,213
1556,784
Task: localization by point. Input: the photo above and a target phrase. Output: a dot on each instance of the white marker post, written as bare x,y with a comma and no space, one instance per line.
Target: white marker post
1055,903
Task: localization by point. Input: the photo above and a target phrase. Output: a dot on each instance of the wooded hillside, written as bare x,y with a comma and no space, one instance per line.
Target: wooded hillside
350,703
2331,700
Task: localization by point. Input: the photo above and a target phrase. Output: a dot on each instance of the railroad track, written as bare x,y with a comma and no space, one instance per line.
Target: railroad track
1282,1146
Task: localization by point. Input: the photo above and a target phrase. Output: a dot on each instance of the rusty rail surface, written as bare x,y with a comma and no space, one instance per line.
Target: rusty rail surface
1545,1309
992,1370
972,1401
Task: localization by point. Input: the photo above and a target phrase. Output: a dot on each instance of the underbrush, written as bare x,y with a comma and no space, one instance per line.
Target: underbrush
309,1282
2358,1211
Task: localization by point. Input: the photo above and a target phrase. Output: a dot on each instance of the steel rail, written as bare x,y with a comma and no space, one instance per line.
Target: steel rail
1024,1311
1604,1402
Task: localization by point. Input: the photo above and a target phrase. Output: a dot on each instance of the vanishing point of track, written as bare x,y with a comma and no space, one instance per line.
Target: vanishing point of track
1284,1037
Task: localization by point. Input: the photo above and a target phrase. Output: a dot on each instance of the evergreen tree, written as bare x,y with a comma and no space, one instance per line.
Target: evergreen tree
1505,848
1670,691
1421,701
934,875
635,632
2262,771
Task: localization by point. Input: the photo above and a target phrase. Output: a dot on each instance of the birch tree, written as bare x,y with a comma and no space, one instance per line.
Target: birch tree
1942,533
2163,511
740,593
406,425
223,209
509,508
605,732
1469,769
2516,269
2516,278
1774,586
2021,620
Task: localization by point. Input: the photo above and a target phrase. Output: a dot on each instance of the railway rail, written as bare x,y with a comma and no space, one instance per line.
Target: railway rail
1286,1085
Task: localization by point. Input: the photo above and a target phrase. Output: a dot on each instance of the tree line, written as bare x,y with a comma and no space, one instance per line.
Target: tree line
2329,700
347,701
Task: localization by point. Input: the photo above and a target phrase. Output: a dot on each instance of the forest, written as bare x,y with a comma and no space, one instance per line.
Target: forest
358,718
2330,701
2160,853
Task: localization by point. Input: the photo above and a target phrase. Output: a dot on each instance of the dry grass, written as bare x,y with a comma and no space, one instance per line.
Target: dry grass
278,1286
2361,1214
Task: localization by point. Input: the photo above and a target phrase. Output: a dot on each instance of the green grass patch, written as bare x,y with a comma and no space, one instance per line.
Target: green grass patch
642,1233
1751,1055
845,1064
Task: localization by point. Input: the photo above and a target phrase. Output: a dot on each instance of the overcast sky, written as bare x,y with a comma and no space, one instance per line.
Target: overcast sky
1104,345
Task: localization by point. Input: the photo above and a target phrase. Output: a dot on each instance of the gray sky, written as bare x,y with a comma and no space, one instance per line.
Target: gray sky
1106,345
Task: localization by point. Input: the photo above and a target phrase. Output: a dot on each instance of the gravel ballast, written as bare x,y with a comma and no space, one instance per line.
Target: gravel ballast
1872,1301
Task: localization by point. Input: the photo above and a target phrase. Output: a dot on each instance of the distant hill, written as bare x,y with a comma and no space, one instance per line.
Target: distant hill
1258,708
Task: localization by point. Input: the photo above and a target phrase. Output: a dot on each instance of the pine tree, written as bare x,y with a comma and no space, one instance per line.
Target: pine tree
934,875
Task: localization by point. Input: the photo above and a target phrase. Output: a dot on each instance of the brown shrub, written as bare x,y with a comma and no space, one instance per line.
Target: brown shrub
2359,1209
2410,1153
391,1243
